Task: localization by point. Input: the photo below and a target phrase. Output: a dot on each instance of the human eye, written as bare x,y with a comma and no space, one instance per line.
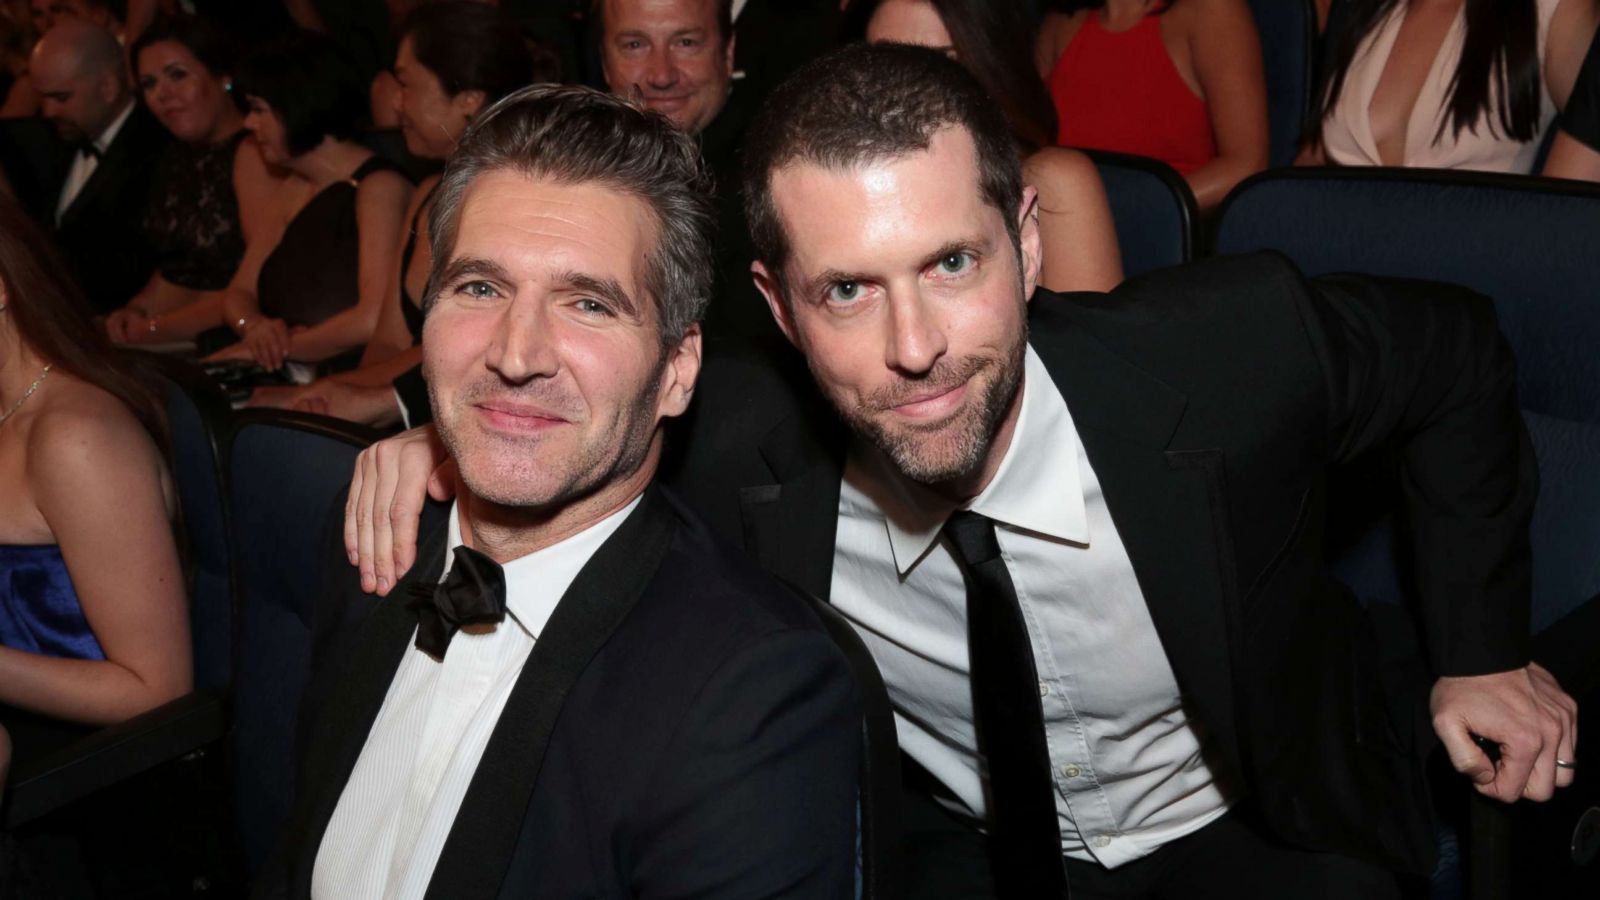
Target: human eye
845,293
592,307
147,83
477,290
955,263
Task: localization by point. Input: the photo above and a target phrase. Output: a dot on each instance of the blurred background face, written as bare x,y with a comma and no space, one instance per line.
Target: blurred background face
57,10
431,120
39,15
910,22
268,131
189,101
78,100
673,52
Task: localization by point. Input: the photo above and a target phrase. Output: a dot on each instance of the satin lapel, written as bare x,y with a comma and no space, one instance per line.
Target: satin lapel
348,716
488,825
1170,508
131,133
789,525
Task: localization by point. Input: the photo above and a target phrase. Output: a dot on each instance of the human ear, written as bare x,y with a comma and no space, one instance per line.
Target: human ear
680,373
771,287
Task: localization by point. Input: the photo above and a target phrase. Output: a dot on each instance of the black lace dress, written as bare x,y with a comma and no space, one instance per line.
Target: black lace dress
193,217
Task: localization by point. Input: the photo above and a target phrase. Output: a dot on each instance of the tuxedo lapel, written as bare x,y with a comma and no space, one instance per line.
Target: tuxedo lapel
789,524
488,825
1170,508
111,166
352,709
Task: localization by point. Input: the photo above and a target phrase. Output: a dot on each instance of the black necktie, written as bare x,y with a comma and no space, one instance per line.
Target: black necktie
474,593
1024,832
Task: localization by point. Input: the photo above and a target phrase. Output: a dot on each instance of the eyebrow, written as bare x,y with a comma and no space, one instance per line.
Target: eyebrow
462,266
608,289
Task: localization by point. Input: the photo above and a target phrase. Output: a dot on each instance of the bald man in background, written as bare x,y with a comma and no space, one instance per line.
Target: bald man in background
99,193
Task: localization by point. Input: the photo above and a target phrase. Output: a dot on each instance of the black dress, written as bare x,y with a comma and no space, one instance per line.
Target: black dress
193,217
315,271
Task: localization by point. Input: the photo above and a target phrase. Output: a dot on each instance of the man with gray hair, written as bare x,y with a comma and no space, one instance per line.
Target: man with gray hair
83,86
596,697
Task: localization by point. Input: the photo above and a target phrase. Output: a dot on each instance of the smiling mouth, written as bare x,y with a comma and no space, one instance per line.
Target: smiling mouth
511,417
934,404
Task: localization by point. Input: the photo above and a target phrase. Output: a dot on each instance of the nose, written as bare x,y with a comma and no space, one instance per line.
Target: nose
523,348
659,71
916,338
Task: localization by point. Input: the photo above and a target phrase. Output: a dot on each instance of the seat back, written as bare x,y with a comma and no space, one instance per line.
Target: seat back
1152,208
1526,243
1288,30
198,421
287,475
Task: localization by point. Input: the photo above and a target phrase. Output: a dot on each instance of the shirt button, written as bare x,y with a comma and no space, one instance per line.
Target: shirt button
1071,771
1102,840
1044,689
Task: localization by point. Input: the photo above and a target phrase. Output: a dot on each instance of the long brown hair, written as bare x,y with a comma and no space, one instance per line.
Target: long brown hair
55,320
1500,53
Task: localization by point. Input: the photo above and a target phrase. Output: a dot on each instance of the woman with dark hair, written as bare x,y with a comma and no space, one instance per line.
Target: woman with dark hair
93,615
203,181
455,58
313,281
1181,82
1447,84
991,40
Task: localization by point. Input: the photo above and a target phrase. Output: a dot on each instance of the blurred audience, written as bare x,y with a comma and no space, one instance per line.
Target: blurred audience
104,13
193,221
1177,80
1576,151
312,283
991,41
93,613
85,93
17,37
456,58
1472,84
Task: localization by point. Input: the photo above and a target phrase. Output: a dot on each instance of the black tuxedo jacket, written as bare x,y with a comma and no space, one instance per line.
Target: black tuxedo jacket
1212,400
102,232
683,727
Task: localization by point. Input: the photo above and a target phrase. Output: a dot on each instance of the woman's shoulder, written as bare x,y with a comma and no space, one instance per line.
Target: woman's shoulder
1059,170
82,430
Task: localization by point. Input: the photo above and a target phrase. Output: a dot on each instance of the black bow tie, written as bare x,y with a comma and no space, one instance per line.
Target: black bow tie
89,149
474,593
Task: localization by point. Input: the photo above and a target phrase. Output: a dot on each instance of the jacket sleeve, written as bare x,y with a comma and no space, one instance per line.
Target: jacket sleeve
756,795
1423,368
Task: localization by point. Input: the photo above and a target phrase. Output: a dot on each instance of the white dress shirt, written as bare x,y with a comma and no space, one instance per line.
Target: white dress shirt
1125,759
83,165
397,809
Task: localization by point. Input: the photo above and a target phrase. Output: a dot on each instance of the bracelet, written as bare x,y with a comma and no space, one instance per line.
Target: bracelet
151,322
239,325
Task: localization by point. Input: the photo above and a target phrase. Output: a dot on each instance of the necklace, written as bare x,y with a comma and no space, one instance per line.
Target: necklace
25,395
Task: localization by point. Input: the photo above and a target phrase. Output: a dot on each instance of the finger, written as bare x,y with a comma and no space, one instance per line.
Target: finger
369,487
1566,744
1513,778
1465,756
382,518
351,530
406,511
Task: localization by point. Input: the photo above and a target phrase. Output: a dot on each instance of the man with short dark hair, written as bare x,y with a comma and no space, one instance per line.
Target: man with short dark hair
1082,534
84,91
601,699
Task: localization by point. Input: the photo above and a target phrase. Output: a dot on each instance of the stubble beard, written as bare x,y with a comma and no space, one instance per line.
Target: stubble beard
951,449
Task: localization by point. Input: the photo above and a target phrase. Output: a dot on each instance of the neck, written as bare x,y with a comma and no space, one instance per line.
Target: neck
506,533
19,369
330,161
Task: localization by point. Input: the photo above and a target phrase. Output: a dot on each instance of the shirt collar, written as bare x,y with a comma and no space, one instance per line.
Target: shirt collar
535,583
103,142
1037,487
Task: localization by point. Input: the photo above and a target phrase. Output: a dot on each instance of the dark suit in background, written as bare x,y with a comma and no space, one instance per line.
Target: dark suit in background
101,233
1211,400
684,727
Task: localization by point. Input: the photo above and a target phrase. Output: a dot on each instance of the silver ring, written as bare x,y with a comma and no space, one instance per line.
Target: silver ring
1564,764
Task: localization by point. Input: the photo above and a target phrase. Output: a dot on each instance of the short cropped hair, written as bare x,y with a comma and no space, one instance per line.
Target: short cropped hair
597,13
577,135
309,85
867,103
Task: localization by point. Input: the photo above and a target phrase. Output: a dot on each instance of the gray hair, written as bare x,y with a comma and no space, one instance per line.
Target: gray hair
575,135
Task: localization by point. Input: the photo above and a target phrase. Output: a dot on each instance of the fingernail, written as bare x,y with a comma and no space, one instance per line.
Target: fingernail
354,559
383,585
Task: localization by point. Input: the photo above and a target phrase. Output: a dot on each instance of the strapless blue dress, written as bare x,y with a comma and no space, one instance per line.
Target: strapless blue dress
39,609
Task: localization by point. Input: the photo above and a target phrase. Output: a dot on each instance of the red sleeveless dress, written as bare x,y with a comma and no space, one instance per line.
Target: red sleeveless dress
1119,90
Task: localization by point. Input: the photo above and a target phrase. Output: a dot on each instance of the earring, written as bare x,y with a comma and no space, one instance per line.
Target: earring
227,86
